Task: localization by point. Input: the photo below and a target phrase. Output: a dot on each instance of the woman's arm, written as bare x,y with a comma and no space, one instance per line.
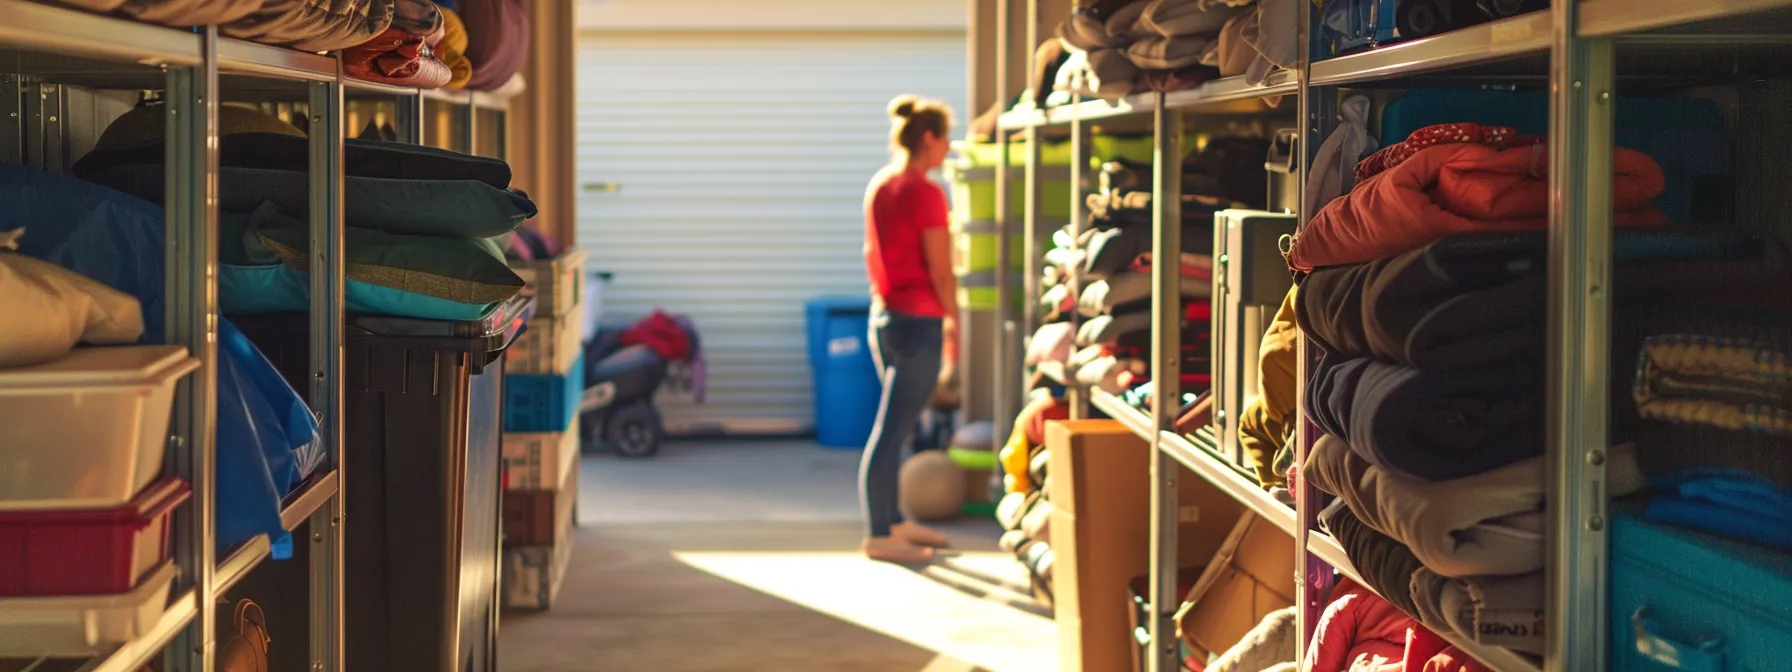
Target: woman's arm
936,245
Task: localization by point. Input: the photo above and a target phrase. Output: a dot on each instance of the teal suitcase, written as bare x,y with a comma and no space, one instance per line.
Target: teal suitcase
1682,600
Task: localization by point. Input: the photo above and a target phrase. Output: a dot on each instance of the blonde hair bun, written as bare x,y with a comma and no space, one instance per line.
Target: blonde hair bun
904,106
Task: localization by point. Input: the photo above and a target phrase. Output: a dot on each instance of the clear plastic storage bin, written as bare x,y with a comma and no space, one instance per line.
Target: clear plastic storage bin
85,625
87,431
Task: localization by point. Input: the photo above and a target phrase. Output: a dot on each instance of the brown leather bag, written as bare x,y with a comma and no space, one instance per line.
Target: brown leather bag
247,651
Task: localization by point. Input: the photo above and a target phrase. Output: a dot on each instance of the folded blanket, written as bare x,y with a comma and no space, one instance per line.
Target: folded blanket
1103,296
1461,302
1486,524
1113,250
1084,31
1104,73
1491,610
1177,18
1104,371
1168,81
1167,53
1429,425
1458,188
1728,383
1382,563
1051,343
1132,329
1460,606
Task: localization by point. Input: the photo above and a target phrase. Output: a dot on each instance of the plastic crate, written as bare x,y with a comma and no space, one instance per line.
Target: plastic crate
83,625
550,345
87,551
540,460
95,406
543,402
974,192
557,284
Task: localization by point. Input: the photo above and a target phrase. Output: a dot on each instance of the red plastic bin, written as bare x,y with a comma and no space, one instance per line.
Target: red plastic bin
87,551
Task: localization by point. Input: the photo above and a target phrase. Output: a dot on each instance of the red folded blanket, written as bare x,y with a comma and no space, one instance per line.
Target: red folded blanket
1458,188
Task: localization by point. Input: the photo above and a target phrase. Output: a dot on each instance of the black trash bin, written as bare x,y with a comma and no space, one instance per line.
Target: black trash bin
423,415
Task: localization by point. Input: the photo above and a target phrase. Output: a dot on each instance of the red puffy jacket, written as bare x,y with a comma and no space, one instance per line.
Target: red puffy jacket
1358,630
1427,652
1458,188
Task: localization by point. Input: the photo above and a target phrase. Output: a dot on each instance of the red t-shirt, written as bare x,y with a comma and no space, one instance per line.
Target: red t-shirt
899,205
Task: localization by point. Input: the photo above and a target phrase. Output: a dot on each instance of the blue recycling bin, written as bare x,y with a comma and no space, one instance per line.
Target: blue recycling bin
847,388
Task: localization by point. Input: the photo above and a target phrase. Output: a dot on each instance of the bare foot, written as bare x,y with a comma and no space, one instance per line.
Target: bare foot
892,549
919,535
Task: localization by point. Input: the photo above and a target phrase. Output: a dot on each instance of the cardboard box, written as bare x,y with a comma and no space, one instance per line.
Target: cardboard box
1251,575
550,345
539,460
531,576
557,284
1100,493
541,517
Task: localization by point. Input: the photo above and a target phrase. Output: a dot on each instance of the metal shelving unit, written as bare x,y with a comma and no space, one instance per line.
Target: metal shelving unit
53,45
1571,49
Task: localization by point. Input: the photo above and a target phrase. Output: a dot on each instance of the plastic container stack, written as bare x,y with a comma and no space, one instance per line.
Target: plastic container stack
541,434
84,510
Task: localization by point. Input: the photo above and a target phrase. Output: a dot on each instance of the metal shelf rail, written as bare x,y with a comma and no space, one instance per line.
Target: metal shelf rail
1570,47
107,52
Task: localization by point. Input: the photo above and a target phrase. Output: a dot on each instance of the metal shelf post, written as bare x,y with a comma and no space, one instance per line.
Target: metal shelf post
1002,405
1582,83
191,289
1166,381
1076,395
326,358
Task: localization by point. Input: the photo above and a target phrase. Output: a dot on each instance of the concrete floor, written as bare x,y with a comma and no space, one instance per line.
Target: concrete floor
743,556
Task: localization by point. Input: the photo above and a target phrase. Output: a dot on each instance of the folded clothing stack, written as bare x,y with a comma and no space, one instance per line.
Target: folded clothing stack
1717,409
1425,294
426,228
1117,48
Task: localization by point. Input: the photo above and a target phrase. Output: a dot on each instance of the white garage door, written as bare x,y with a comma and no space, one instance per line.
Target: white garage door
721,178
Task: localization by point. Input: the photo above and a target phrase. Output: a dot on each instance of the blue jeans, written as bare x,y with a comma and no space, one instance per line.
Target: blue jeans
907,351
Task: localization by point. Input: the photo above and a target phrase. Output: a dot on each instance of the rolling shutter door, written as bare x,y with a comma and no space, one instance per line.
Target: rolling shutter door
722,178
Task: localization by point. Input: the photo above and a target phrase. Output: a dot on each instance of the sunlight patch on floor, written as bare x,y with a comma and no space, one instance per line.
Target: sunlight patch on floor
897,603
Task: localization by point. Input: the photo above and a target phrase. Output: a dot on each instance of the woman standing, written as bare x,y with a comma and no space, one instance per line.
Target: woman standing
908,256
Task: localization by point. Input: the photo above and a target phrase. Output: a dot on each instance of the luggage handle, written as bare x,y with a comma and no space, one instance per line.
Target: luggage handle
1705,656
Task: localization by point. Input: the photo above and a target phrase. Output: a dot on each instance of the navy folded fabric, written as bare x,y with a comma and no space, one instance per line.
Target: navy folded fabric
1429,425
1478,299
1724,521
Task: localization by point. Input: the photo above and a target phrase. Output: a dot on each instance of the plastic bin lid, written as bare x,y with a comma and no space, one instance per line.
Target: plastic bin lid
130,365
33,610
156,499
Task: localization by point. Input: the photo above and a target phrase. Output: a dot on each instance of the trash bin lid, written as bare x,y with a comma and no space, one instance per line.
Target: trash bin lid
833,304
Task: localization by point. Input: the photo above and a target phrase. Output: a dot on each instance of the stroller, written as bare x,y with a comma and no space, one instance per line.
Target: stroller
626,366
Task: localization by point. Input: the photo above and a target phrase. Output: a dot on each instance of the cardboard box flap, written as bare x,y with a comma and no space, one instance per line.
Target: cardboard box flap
1250,576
